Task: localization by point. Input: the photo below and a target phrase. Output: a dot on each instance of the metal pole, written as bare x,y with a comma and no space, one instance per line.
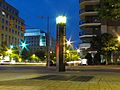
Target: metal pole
48,43
48,39
60,50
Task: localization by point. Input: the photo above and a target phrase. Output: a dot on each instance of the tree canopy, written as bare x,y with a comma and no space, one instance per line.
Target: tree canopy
109,10
109,43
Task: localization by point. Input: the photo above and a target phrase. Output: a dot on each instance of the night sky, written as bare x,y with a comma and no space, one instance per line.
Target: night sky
32,10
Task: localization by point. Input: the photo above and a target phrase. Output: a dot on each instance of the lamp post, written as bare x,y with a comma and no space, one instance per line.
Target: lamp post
60,42
48,38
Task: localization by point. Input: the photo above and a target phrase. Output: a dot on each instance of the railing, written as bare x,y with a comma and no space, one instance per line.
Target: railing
87,10
81,22
85,0
89,21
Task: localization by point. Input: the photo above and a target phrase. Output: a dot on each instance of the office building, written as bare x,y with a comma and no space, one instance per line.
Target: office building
37,40
11,25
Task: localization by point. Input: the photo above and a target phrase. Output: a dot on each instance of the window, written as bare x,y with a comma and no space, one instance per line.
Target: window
6,22
19,28
2,20
16,32
2,36
7,16
6,29
9,29
9,39
16,26
2,27
22,34
42,41
13,39
6,37
12,31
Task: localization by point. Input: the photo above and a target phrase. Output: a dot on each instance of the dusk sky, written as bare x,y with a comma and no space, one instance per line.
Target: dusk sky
31,10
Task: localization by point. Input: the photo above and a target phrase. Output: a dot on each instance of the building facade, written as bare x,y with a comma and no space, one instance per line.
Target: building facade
11,25
91,25
37,40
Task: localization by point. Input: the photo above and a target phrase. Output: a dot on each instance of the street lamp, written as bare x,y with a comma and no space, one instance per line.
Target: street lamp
67,51
24,45
60,42
3,13
48,39
68,43
61,20
78,50
9,51
118,38
11,46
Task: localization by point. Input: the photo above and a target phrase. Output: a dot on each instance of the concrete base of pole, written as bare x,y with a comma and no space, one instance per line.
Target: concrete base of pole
61,68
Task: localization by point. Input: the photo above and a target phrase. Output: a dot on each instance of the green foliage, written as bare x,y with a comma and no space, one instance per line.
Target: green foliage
109,10
34,58
106,44
95,43
3,48
41,54
72,55
15,53
109,43
24,54
53,56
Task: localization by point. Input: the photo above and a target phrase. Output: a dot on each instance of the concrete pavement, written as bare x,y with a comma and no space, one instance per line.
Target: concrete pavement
75,78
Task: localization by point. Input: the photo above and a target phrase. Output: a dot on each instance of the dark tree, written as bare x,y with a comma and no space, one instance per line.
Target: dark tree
41,54
89,59
97,59
108,45
109,10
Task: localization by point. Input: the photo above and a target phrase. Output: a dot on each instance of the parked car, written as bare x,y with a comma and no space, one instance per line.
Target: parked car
74,63
2,62
84,61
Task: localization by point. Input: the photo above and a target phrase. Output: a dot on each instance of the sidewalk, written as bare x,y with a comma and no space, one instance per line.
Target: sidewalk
69,80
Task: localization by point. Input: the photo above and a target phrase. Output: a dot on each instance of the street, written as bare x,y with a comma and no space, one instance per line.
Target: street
29,77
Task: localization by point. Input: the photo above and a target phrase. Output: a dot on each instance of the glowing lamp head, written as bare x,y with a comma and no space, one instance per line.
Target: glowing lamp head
67,51
33,55
9,51
3,13
68,43
11,46
118,38
61,20
78,50
23,45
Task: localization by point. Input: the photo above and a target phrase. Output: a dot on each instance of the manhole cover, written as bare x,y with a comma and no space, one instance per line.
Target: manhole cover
65,78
